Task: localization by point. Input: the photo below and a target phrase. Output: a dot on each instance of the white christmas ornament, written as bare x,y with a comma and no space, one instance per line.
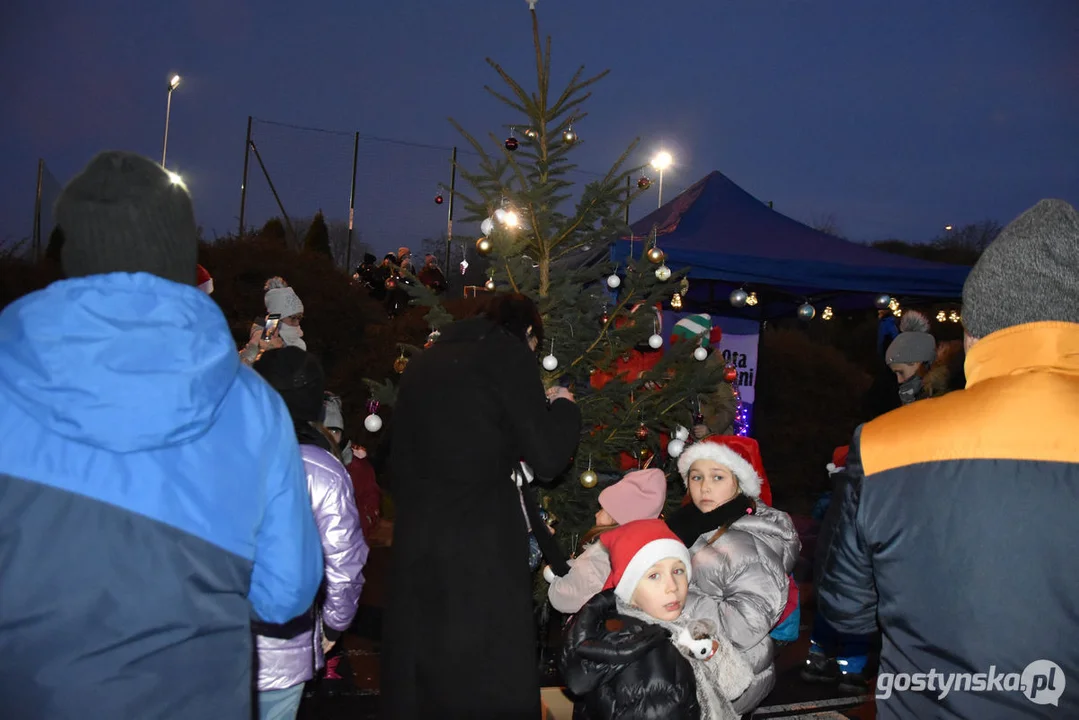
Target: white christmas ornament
464,266
613,281
655,342
487,226
700,354
681,433
675,447
663,273
550,363
373,423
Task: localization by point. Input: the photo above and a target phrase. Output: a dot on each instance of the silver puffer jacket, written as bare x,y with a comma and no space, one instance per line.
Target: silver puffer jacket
746,572
285,662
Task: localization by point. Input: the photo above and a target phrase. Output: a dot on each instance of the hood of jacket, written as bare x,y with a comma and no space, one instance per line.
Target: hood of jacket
123,362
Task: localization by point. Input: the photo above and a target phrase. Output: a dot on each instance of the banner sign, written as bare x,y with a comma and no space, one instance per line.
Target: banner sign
738,345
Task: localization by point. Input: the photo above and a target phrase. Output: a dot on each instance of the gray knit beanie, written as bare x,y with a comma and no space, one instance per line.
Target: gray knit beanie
125,213
914,344
1030,273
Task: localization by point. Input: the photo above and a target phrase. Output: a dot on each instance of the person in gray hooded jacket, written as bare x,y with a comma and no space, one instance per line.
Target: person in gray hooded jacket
742,552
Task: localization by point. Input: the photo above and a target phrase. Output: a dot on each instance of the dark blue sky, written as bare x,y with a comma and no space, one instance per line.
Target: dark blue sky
896,117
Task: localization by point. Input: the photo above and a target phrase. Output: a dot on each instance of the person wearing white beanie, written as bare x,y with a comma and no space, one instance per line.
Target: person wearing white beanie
280,300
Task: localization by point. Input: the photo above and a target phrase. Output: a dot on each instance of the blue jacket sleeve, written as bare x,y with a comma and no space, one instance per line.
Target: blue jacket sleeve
288,552
847,596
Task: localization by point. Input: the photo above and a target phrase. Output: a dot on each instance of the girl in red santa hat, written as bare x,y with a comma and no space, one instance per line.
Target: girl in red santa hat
743,552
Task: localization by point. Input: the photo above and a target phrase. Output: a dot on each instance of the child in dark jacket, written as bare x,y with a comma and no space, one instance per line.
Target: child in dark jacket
646,647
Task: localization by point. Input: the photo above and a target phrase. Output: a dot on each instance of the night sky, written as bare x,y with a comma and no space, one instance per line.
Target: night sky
896,117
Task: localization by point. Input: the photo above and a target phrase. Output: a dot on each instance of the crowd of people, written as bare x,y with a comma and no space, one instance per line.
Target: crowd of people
184,523
386,281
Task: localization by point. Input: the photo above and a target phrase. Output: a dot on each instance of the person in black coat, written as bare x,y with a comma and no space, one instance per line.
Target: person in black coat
459,639
654,680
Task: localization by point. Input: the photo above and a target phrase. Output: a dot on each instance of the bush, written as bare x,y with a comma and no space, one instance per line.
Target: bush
808,403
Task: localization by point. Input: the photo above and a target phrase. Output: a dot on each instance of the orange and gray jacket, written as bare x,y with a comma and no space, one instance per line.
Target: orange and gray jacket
958,534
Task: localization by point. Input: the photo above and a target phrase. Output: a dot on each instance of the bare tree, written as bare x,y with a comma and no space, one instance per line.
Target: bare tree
826,223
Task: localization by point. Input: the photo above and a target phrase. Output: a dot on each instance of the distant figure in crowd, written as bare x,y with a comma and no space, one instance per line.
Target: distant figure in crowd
152,494
957,531
460,640
289,655
431,276
404,260
367,492
283,302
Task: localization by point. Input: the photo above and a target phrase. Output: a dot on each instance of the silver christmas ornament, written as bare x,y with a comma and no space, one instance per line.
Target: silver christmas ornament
739,298
807,312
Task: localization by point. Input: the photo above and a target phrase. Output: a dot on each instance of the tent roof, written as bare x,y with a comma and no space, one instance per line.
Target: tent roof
724,233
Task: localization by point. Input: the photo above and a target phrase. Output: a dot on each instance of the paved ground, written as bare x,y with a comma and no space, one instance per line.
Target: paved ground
356,698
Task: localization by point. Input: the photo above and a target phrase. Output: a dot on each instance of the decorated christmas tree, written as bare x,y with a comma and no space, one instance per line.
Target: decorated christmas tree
637,391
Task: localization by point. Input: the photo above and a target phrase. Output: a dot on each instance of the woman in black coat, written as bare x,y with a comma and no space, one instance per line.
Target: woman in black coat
623,668
459,639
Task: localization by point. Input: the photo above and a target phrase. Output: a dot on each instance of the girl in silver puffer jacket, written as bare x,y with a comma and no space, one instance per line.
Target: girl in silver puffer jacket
743,552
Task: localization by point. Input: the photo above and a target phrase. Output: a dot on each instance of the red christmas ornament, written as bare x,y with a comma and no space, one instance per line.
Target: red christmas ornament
512,144
605,319
730,373
438,199
644,183
641,433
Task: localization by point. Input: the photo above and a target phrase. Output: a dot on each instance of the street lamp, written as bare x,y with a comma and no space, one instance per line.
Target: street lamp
174,82
661,162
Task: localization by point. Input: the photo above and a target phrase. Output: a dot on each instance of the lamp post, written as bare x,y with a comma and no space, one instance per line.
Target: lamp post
174,83
661,162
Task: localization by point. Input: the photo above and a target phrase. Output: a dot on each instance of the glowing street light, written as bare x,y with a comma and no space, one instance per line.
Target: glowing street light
947,228
661,162
174,82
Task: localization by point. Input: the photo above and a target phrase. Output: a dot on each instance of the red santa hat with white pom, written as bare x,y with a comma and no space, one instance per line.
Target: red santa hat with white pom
203,280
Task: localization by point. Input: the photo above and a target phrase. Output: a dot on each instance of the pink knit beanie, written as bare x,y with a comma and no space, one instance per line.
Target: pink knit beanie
638,496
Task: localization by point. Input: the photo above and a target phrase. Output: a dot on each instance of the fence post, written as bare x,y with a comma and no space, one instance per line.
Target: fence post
352,204
449,212
37,210
243,183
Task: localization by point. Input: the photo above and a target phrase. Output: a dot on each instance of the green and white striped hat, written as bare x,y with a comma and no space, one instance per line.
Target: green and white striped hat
692,327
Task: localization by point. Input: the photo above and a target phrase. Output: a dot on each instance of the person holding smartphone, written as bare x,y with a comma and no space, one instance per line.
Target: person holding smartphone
281,327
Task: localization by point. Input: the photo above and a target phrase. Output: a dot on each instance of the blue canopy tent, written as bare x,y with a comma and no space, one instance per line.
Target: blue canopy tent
730,239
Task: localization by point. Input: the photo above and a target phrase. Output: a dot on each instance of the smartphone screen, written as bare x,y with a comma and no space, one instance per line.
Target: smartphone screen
270,328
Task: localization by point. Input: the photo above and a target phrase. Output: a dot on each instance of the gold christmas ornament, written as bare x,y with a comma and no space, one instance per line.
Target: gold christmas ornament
676,301
589,479
484,246
400,363
656,255
490,285
569,137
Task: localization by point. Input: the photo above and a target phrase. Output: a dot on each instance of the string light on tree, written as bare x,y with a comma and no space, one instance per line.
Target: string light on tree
741,415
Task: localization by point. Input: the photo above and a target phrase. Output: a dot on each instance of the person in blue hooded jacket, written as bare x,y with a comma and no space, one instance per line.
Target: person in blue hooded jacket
152,496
